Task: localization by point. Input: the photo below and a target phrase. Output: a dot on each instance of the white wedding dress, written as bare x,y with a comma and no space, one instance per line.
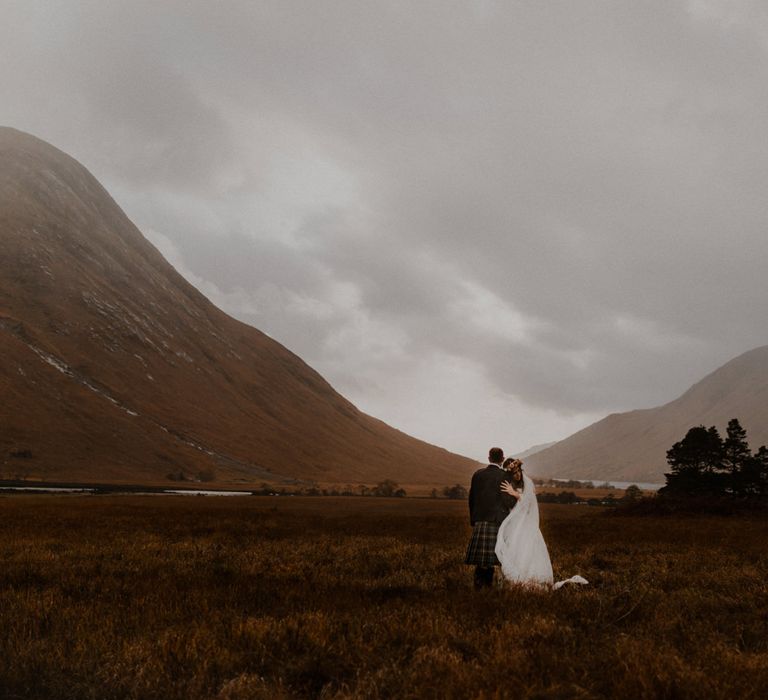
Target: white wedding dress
520,545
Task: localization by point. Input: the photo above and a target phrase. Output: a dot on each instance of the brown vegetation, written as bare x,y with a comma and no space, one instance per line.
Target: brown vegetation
201,597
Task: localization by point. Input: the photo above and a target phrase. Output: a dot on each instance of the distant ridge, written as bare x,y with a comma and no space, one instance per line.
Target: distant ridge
114,368
632,446
533,450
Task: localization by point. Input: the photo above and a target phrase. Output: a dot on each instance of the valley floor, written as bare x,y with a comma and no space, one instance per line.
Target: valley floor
257,597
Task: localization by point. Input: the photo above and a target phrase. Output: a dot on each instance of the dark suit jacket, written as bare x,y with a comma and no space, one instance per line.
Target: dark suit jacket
487,502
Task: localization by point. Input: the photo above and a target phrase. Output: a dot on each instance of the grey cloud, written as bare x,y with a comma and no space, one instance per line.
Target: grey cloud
567,197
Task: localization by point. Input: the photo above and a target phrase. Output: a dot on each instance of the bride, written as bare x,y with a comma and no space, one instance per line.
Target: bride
520,545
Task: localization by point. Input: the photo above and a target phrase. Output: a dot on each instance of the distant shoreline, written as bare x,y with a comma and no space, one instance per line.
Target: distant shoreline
622,485
41,487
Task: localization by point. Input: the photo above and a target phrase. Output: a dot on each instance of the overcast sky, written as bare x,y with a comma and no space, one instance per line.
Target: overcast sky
483,222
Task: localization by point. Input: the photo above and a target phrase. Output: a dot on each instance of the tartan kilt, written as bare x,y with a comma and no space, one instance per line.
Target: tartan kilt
482,547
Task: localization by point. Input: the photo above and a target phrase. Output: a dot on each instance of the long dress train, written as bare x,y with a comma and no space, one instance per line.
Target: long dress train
520,545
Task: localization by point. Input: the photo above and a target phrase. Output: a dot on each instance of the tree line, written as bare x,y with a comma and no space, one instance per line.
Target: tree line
705,464
384,489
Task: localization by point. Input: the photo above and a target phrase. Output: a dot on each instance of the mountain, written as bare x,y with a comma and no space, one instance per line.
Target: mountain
114,368
533,450
632,446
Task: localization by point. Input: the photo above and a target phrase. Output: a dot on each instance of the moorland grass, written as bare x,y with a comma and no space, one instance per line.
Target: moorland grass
228,598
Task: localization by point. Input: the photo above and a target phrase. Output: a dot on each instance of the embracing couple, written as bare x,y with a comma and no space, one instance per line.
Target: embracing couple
504,515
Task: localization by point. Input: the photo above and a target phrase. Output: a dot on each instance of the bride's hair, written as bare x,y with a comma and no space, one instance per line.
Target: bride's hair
509,462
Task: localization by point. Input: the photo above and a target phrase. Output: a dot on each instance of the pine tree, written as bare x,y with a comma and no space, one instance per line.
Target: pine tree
756,475
697,463
737,457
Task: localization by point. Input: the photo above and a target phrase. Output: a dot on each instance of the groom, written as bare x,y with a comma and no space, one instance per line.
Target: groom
488,506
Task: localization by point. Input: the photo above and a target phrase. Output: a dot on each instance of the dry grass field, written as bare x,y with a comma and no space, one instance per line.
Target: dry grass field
224,598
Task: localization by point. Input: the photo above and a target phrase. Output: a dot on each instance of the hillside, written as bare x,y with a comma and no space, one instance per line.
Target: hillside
533,450
632,446
114,368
